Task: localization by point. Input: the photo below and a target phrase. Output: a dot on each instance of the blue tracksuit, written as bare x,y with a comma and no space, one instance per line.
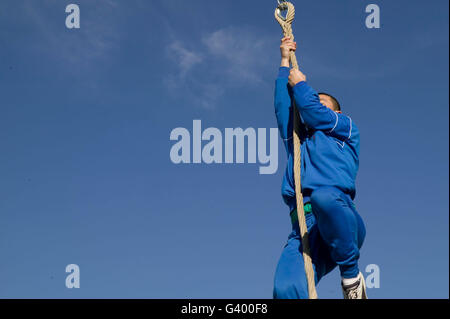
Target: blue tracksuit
330,159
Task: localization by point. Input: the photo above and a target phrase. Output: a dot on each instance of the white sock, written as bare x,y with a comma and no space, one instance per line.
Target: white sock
349,281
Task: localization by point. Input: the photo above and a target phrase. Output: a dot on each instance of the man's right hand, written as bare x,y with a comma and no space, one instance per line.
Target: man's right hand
287,45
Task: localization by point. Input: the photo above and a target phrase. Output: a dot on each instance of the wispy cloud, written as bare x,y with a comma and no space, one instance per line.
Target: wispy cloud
222,59
185,58
243,50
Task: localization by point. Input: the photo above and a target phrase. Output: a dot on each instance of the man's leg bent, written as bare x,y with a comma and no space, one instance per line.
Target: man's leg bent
340,226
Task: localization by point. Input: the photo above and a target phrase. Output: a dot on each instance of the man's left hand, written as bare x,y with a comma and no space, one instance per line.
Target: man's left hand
295,77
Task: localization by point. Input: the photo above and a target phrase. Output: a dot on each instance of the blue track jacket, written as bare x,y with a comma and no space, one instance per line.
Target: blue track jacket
329,141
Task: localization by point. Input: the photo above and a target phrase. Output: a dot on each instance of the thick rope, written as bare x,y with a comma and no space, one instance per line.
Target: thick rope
286,25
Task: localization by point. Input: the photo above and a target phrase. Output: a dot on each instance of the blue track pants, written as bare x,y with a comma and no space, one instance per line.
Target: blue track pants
336,233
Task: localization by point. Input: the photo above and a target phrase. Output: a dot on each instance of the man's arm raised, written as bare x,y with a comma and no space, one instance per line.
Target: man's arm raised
314,114
283,101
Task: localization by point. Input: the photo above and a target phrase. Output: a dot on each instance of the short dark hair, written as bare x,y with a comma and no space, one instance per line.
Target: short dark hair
337,106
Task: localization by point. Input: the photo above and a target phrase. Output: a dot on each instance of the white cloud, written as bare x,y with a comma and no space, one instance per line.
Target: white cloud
242,50
223,59
185,58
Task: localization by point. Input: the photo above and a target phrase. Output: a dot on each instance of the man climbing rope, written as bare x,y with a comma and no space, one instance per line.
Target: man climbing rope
329,164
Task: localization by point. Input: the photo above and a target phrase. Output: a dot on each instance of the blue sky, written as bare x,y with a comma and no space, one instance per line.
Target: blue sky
85,122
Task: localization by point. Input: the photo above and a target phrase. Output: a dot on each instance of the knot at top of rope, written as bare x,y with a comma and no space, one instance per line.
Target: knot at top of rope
290,13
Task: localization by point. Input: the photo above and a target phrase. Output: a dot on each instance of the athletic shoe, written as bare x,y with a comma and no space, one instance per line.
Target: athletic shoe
357,290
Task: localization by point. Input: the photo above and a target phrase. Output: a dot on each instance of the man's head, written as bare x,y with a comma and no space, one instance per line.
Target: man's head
330,102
